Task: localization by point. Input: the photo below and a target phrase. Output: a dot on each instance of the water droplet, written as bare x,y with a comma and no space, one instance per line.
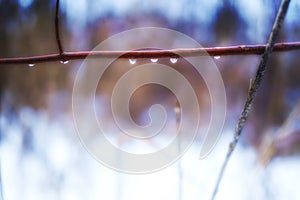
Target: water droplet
132,61
177,110
154,60
31,65
64,62
173,60
217,57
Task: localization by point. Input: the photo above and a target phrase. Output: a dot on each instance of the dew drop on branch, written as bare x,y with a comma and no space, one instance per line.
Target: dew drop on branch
31,65
173,60
132,61
154,60
217,57
64,62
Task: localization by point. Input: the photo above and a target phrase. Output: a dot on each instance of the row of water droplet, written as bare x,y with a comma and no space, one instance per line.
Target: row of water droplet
154,60
172,60
131,61
62,62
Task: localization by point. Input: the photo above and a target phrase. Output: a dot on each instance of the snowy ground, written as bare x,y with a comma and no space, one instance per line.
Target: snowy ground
56,166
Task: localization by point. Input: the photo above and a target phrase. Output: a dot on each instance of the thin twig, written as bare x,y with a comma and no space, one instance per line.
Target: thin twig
1,189
1,186
57,36
212,51
253,89
180,173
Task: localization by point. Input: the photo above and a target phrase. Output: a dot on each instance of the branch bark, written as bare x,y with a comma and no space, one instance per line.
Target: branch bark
57,35
255,84
212,51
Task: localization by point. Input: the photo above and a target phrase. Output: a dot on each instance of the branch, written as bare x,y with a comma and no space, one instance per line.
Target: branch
212,51
57,36
1,186
253,89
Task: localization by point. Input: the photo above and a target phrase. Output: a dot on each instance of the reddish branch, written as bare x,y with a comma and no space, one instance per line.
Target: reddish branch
57,35
212,51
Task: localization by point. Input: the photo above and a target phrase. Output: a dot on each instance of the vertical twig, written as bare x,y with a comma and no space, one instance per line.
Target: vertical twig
120,183
1,140
253,89
178,117
1,187
57,36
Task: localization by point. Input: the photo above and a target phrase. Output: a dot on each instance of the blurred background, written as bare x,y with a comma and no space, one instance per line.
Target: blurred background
41,155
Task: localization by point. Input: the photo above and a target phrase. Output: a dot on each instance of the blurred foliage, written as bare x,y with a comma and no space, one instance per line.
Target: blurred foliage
29,30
